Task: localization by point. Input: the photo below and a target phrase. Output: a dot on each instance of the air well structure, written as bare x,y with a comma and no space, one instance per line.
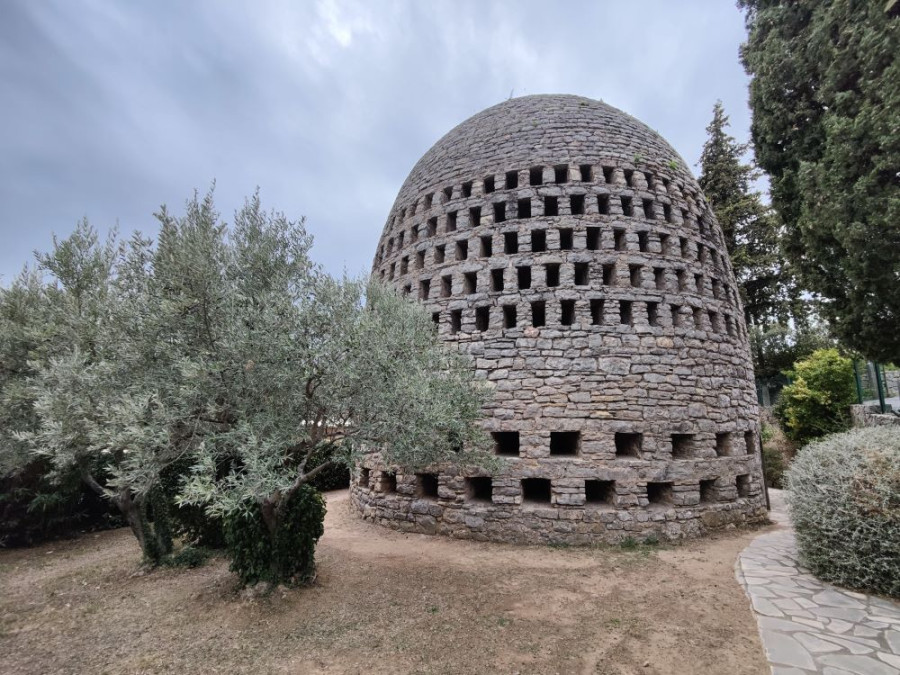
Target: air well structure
567,249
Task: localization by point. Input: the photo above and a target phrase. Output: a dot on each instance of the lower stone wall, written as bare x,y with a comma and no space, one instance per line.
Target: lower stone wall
689,510
869,416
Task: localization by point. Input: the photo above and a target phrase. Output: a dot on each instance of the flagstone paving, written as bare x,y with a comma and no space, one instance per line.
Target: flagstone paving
808,626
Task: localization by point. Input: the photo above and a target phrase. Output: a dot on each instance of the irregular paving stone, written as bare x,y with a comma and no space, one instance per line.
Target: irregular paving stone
816,645
859,665
784,649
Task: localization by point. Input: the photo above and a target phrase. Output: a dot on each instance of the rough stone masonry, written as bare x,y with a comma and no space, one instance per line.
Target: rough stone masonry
567,249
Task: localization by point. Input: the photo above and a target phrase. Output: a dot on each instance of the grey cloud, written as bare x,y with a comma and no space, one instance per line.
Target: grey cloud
112,108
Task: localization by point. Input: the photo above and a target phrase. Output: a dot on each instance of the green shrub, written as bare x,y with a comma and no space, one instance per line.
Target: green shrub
188,556
335,477
190,522
286,556
774,465
818,400
844,495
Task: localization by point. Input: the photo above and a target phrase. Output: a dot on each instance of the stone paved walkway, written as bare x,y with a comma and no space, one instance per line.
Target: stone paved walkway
808,626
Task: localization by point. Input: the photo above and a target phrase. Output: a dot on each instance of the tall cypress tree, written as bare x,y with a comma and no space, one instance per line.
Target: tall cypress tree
825,94
750,228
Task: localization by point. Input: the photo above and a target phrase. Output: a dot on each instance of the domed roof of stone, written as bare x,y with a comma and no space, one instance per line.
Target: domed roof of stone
536,129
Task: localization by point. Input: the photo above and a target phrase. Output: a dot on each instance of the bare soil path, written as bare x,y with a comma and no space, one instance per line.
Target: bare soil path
384,602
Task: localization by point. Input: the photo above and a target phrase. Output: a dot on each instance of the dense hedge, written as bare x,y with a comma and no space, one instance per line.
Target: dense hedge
844,494
288,556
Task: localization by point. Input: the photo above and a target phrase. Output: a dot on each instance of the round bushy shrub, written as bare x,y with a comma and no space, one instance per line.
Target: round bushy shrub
818,400
286,556
844,496
334,477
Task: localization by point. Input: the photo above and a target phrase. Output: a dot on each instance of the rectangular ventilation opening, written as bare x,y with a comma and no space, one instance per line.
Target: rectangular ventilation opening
536,175
619,239
600,492
388,481
649,211
447,194
698,283
698,318
651,180
451,221
470,282
455,321
714,322
479,489
535,490
407,289
426,485
608,174
510,242
439,254
436,319
551,206
627,209
404,265
708,491
413,234
567,312
429,198
509,316
538,241
581,274
676,316
400,238
663,244
659,278
538,314
552,271
625,317
603,205
523,275
564,443
497,280
683,244
659,494
393,269
629,177
629,444
487,246
743,485
653,313
524,208
609,274
512,179
488,185
462,249
561,173
467,189
643,242
681,275
420,259
634,274
431,227
565,239
506,443
682,446
499,212
749,442
576,205
593,238
475,216
446,286
482,317
596,311
587,173
667,212
723,444
424,289
363,480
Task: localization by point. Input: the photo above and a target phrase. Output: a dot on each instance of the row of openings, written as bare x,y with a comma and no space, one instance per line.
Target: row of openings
568,316
511,246
539,490
562,173
581,277
630,444
522,208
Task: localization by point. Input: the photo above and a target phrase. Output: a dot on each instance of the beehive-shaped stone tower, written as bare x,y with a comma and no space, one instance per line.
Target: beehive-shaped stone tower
567,249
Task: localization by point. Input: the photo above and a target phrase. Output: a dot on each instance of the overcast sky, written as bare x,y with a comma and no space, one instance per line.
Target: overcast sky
109,109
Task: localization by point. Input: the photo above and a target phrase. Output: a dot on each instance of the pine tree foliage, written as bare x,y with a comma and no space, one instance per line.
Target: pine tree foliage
750,228
825,94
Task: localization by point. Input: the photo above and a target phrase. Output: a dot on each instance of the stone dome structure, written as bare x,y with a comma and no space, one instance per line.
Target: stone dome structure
567,249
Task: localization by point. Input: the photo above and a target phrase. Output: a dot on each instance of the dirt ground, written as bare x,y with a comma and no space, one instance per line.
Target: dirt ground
384,602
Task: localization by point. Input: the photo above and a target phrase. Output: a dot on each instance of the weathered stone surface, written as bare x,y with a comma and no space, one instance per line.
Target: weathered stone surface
566,248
